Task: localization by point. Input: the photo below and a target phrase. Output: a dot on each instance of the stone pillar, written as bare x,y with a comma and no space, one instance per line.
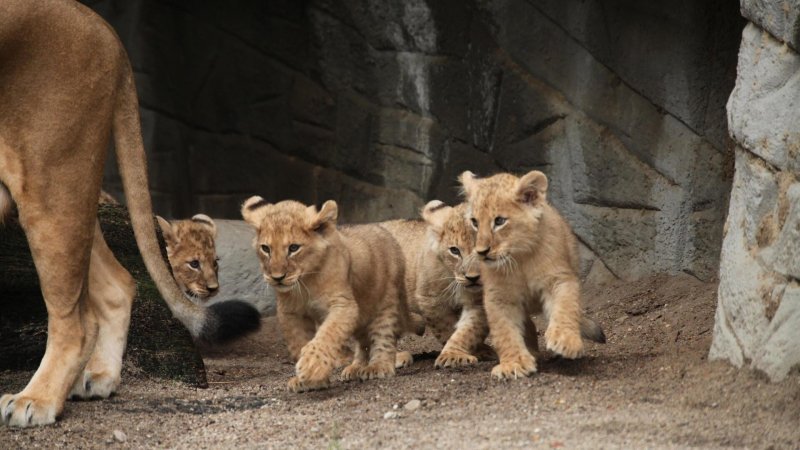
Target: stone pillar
758,312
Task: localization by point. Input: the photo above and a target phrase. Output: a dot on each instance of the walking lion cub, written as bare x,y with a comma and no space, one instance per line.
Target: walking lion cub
331,284
529,263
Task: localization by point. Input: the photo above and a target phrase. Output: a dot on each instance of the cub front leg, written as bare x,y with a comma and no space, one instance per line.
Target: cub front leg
360,360
296,328
471,330
563,309
318,358
505,317
383,343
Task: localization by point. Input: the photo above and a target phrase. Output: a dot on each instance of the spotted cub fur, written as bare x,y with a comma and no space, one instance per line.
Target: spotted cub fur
332,284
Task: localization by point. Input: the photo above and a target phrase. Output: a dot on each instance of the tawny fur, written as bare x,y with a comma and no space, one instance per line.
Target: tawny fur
529,264
66,86
192,254
332,284
439,260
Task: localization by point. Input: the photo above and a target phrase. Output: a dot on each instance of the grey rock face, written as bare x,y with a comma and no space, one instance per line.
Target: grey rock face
240,275
757,321
381,104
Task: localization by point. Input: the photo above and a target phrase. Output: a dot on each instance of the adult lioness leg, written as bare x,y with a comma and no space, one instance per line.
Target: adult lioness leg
111,293
62,266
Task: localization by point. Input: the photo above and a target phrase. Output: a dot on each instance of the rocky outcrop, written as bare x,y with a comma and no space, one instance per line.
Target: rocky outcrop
380,105
758,312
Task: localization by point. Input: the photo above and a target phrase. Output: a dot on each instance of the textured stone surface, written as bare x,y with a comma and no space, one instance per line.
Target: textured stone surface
240,275
780,18
758,313
381,104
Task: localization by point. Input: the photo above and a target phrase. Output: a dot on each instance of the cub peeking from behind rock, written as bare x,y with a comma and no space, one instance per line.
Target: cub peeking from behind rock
192,254
332,284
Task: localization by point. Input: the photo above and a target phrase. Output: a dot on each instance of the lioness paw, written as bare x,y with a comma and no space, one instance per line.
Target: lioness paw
19,411
297,386
376,370
511,370
454,358
93,386
403,359
568,344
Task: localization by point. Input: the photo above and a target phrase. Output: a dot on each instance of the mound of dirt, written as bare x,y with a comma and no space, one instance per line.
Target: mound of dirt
650,386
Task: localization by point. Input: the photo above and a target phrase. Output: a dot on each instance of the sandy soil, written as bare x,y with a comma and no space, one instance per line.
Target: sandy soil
649,386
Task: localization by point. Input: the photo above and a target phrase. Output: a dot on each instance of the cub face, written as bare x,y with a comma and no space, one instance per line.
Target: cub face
192,254
504,211
290,238
453,240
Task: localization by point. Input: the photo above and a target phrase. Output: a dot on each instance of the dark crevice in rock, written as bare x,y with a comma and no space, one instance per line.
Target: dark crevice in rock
605,203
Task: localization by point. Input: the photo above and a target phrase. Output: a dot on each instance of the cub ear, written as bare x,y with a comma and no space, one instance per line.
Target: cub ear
206,222
435,214
468,182
532,188
325,218
166,231
253,210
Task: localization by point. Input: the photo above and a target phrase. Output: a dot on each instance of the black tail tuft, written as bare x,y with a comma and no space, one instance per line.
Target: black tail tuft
591,330
229,320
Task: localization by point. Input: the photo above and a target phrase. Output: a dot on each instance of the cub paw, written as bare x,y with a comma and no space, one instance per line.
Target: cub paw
350,372
376,370
297,386
93,386
314,365
568,344
454,358
19,411
403,359
511,370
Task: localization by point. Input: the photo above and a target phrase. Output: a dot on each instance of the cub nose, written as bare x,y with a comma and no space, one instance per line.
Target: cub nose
472,279
483,252
213,288
278,278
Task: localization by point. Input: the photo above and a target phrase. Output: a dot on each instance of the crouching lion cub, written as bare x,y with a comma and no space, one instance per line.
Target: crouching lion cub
192,255
529,262
331,284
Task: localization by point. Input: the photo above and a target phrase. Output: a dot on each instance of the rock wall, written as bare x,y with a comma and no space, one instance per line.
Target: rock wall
758,314
380,104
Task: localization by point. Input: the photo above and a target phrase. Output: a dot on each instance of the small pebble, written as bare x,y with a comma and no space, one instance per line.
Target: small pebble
412,405
391,415
120,436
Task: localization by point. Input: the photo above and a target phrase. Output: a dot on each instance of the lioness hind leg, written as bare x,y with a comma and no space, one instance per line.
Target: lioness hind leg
60,247
111,293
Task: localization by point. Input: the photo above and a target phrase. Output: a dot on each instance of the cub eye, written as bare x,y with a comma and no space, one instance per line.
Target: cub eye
293,248
455,251
194,264
499,221
474,222
265,248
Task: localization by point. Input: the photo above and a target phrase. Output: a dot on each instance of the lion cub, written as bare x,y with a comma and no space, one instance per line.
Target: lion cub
529,262
192,254
331,284
443,279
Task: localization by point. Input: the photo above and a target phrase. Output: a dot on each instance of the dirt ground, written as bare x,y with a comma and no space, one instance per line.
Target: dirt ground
650,386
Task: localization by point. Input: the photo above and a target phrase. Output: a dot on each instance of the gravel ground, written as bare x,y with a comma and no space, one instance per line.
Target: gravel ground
649,386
